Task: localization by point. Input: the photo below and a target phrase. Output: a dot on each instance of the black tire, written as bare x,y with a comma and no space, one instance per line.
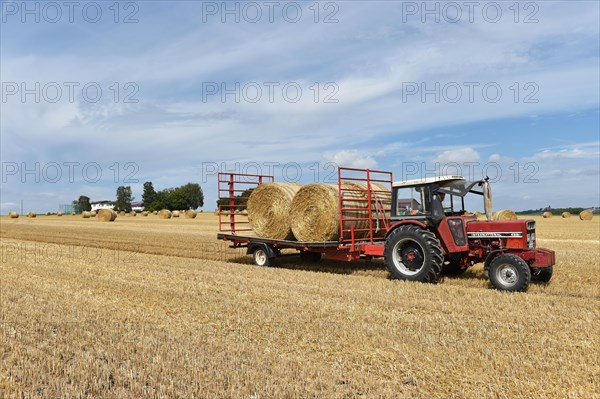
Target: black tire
508,272
310,257
541,274
413,254
261,257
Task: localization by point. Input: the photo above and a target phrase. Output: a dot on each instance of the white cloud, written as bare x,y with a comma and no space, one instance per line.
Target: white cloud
458,155
351,159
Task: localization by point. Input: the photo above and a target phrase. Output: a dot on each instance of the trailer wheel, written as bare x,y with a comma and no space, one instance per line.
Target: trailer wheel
261,258
509,272
413,254
541,274
308,256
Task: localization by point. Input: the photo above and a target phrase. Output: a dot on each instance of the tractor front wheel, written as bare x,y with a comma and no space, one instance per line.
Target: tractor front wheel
414,254
509,272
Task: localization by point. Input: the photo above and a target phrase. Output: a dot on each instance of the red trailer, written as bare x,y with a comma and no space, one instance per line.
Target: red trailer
427,231
233,186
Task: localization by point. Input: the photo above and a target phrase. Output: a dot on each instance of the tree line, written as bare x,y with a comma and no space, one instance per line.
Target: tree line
188,196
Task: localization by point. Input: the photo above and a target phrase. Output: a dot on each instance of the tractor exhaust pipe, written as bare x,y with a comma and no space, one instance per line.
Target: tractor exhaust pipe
487,198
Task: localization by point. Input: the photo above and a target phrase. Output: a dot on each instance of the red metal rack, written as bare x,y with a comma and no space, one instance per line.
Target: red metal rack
231,187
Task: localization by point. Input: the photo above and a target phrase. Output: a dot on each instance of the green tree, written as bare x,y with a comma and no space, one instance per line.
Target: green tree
240,201
84,203
149,195
194,197
124,198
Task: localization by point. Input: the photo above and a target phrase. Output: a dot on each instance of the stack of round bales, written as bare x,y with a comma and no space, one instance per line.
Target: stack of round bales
586,215
106,215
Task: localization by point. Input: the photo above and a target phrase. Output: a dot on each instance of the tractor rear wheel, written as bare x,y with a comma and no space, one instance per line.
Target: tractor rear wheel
509,272
414,254
541,274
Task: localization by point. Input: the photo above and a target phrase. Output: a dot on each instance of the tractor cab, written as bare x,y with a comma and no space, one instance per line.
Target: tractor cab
433,198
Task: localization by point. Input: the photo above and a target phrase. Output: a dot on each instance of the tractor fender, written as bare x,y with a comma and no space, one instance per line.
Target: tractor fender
403,223
491,256
252,246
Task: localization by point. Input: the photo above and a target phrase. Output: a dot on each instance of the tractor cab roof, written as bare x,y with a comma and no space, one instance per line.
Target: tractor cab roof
428,180
453,185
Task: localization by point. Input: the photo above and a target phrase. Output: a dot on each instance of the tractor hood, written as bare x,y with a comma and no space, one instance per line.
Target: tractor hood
498,229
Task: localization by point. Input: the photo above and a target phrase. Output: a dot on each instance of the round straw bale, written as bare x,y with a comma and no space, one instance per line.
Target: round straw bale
586,215
58,213
268,210
175,214
31,214
13,215
144,213
165,214
122,213
73,213
47,214
133,213
190,214
86,214
566,215
505,214
93,214
106,215
201,211
478,214
547,215
155,213
315,214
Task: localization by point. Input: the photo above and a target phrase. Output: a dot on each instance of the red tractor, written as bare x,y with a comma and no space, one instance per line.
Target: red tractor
430,235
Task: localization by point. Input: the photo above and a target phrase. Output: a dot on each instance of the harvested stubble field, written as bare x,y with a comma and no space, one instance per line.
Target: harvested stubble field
144,307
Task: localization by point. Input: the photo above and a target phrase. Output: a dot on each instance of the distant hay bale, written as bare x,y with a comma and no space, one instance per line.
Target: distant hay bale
175,214
547,215
31,214
122,213
13,215
93,214
58,213
505,214
165,214
106,215
73,213
566,215
315,214
133,213
586,215
478,214
155,213
47,214
144,213
201,211
190,214
268,209
86,214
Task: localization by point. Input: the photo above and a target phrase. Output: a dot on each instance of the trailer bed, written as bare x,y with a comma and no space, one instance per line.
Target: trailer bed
235,238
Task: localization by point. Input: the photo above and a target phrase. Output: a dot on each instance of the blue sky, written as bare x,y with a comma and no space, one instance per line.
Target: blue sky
518,90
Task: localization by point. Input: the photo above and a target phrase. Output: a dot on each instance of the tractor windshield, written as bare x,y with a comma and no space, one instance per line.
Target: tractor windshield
454,192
